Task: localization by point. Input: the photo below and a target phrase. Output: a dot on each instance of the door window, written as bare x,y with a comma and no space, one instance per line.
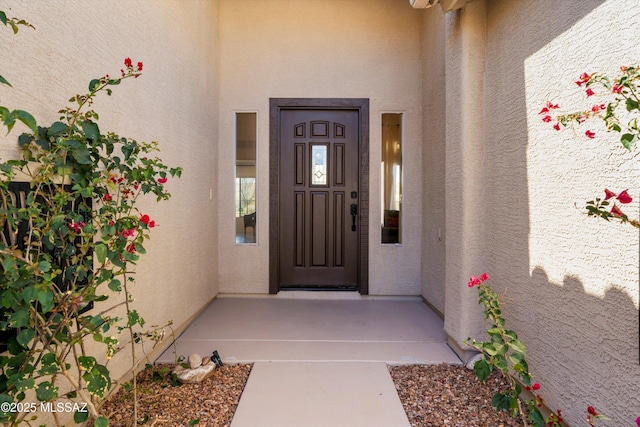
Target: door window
245,183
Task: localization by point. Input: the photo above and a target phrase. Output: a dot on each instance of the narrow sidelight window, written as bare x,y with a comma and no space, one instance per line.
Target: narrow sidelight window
246,222
391,178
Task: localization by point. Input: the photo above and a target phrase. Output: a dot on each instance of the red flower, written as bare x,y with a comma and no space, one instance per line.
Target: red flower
145,219
557,126
544,110
128,63
589,91
139,66
162,180
473,281
584,78
128,233
624,197
131,248
535,386
592,410
484,277
608,194
546,118
615,211
107,197
151,224
616,88
590,134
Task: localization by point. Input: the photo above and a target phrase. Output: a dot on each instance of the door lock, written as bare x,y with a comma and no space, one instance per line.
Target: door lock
354,213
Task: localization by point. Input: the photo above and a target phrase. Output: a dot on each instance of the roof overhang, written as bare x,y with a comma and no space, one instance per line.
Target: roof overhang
446,5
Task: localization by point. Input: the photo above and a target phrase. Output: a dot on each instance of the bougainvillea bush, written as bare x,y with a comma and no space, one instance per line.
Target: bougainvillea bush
71,234
617,104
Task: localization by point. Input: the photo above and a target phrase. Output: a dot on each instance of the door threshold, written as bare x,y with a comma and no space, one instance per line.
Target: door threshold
320,289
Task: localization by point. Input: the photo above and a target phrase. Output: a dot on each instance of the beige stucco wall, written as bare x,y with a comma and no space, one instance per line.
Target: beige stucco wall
571,281
320,49
433,157
173,102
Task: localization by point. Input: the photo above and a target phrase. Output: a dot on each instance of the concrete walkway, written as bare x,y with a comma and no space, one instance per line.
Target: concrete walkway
320,358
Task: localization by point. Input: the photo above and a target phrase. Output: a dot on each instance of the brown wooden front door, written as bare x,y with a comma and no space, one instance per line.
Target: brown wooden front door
318,192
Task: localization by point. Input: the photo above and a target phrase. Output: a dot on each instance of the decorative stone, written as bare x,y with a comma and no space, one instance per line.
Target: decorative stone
192,376
195,361
206,361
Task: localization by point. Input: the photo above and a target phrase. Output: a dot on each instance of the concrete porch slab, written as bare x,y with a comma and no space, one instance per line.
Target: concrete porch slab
354,328
283,394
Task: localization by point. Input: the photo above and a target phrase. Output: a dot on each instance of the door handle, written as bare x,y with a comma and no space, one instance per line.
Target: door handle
354,213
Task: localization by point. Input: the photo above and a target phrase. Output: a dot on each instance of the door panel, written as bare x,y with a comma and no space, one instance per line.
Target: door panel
318,177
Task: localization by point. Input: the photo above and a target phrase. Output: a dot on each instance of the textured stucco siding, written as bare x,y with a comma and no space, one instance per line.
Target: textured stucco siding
571,282
173,102
321,49
433,158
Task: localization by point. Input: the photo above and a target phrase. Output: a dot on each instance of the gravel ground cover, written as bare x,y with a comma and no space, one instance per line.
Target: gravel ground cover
213,401
432,396
445,395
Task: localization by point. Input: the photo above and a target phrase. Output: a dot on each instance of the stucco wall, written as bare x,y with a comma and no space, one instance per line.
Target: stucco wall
571,281
433,157
173,102
321,49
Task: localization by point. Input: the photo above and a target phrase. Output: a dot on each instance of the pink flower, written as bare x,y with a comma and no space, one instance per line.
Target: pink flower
557,126
584,78
128,233
484,277
162,180
597,108
608,194
128,63
546,118
589,91
616,88
615,211
638,421
473,281
624,197
590,134
151,224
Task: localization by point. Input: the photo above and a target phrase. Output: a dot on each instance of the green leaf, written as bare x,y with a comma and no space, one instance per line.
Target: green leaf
80,417
44,266
632,104
20,318
27,119
56,129
115,285
101,422
93,84
46,391
25,336
101,252
4,81
3,17
628,140
194,422
536,418
482,369
501,402
518,346
91,130
86,362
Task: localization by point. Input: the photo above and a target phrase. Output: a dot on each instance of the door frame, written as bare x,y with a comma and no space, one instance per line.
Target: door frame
276,105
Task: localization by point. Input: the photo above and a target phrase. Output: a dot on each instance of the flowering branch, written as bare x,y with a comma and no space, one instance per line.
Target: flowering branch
506,353
625,90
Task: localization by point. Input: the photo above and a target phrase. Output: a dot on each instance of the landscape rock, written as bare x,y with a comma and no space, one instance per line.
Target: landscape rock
195,361
192,376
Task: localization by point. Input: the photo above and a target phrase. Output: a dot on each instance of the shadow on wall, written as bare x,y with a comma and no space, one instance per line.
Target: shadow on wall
562,354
